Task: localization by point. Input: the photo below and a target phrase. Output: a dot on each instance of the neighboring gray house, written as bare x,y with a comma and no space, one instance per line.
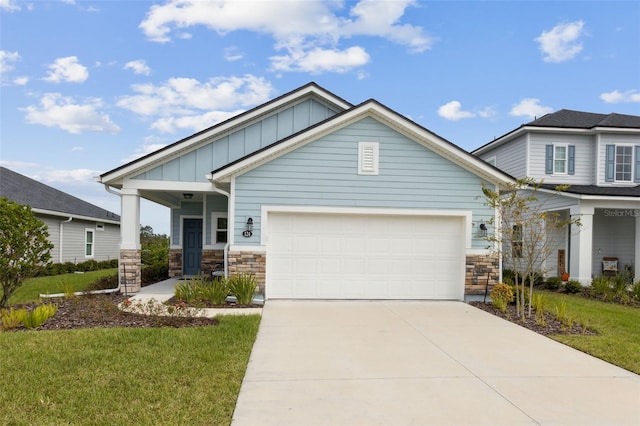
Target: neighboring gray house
598,155
78,230
318,198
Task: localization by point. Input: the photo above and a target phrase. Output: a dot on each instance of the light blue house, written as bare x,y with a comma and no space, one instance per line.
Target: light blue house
318,198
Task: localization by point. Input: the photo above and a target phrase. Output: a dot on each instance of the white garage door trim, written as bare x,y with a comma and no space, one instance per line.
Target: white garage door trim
450,286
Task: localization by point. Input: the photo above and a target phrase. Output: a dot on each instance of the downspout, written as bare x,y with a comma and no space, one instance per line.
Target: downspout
61,239
226,246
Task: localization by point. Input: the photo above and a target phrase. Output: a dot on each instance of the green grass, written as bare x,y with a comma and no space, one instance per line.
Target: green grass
31,288
122,376
618,327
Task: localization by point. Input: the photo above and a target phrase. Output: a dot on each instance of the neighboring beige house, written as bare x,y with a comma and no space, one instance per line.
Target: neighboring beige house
78,230
598,155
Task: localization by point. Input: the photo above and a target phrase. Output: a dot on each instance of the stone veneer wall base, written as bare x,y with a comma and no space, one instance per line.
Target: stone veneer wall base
130,271
251,263
481,270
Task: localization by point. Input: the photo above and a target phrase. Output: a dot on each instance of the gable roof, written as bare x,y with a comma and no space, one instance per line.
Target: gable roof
113,177
45,199
369,108
568,120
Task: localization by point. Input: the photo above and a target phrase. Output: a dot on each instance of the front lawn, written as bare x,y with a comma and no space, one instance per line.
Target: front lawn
31,289
122,376
618,328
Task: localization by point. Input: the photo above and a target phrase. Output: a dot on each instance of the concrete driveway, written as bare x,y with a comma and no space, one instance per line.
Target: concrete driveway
438,363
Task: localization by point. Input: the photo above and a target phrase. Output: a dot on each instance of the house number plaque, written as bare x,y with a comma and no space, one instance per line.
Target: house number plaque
247,234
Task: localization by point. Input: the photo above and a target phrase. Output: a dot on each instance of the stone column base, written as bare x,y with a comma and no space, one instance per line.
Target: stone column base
130,271
250,263
481,270
212,260
175,263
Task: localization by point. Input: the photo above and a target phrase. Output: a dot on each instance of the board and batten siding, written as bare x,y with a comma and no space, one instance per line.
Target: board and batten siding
584,158
194,165
324,173
611,139
510,158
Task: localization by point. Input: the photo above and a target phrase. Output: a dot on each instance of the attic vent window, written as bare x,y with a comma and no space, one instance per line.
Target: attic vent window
368,158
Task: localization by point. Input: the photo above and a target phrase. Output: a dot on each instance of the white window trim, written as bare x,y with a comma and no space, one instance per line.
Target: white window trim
566,159
214,228
368,158
615,163
493,160
93,243
99,226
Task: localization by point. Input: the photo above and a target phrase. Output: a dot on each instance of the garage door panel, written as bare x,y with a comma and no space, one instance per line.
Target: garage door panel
364,257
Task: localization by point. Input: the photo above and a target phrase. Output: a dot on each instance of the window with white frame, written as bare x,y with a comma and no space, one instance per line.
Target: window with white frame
517,241
89,242
219,228
492,160
560,159
624,163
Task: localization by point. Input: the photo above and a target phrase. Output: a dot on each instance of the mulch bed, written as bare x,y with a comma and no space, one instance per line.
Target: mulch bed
101,310
551,324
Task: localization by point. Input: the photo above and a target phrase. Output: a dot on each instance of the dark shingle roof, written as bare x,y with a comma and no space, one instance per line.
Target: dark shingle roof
24,190
607,191
567,118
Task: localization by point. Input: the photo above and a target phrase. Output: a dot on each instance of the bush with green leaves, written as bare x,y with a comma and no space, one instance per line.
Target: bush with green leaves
573,287
553,283
635,290
243,287
185,291
214,291
152,274
39,315
501,295
12,318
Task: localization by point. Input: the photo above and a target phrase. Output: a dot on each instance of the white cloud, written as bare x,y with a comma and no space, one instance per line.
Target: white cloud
187,102
302,28
530,107
15,165
77,148
320,60
617,97
139,67
142,151
68,177
9,5
21,81
232,54
453,111
67,69
7,59
63,112
561,43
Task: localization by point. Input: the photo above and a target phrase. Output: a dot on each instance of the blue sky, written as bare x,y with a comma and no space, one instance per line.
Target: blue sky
89,85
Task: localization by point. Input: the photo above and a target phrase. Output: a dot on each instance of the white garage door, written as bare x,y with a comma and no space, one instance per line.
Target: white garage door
336,256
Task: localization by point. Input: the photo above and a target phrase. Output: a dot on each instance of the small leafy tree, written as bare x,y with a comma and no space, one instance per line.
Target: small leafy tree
24,246
523,236
155,247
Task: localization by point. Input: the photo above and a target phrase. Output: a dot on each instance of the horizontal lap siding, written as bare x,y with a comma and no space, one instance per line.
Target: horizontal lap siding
324,173
511,157
610,139
584,160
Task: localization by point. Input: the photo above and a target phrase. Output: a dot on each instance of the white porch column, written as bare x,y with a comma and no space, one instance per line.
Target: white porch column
130,220
636,265
581,256
130,253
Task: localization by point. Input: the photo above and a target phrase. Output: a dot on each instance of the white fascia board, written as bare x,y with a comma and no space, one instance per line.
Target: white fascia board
381,113
161,185
219,131
590,197
75,216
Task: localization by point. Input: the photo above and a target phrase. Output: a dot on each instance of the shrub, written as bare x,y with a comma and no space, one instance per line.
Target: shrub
553,283
152,274
573,287
12,318
104,283
215,291
501,296
39,315
185,291
635,290
242,286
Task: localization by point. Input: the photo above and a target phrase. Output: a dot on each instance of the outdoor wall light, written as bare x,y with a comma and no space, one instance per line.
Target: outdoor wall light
187,196
249,224
483,229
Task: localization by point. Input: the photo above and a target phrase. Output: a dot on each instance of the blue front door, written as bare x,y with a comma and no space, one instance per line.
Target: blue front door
192,246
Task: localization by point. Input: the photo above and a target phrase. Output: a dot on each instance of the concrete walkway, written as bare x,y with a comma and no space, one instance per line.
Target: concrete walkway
422,363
